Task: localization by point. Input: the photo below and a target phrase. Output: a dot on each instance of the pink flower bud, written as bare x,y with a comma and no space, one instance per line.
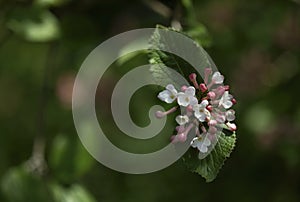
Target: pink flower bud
233,101
183,88
212,130
192,77
207,71
231,126
203,87
178,138
189,108
220,91
212,123
227,87
193,80
180,129
160,114
209,108
211,95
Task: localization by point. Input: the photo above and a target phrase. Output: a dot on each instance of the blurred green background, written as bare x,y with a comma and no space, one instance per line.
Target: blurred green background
255,44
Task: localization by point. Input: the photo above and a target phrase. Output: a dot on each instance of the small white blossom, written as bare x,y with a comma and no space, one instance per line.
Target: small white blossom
168,95
230,115
187,98
200,111
202,143
217,78
225,100
181,120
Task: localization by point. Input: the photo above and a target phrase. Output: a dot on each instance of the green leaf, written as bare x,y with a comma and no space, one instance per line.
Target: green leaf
209,166
162,59
19,185
34,24
75,193
68,159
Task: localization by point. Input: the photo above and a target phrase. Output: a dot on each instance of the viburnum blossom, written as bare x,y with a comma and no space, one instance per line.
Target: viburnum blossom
168,95
206,107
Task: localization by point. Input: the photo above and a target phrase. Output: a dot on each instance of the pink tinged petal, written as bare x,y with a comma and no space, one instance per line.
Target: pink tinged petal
217,78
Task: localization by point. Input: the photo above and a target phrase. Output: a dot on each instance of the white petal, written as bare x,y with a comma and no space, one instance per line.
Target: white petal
230,115
183,100
203,148
193,101
171,88
204,103
206,141
190,91
217,78
181,120
195,142
227,104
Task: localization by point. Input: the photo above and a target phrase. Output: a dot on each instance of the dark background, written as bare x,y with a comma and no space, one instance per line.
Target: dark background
255,44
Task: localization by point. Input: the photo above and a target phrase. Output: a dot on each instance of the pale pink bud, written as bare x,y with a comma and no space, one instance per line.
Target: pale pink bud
192,77
212,123
203,87
178,138
207,73
160,114
211,95
183,88
220,91
226,87
180,129
189,108
212,130
231,126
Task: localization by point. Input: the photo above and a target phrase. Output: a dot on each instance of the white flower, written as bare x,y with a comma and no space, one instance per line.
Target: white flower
168,95
230,115
217,78
187,98
225,100
202,143
200,111
181,120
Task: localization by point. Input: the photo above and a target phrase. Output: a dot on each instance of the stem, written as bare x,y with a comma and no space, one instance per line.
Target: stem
37,162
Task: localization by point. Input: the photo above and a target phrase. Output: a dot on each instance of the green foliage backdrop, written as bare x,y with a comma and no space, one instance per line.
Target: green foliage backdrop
255,44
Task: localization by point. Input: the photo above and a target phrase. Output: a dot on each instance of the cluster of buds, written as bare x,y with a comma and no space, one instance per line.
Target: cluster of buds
205,108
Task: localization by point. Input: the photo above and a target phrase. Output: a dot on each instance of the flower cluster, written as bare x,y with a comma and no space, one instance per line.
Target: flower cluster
205,109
